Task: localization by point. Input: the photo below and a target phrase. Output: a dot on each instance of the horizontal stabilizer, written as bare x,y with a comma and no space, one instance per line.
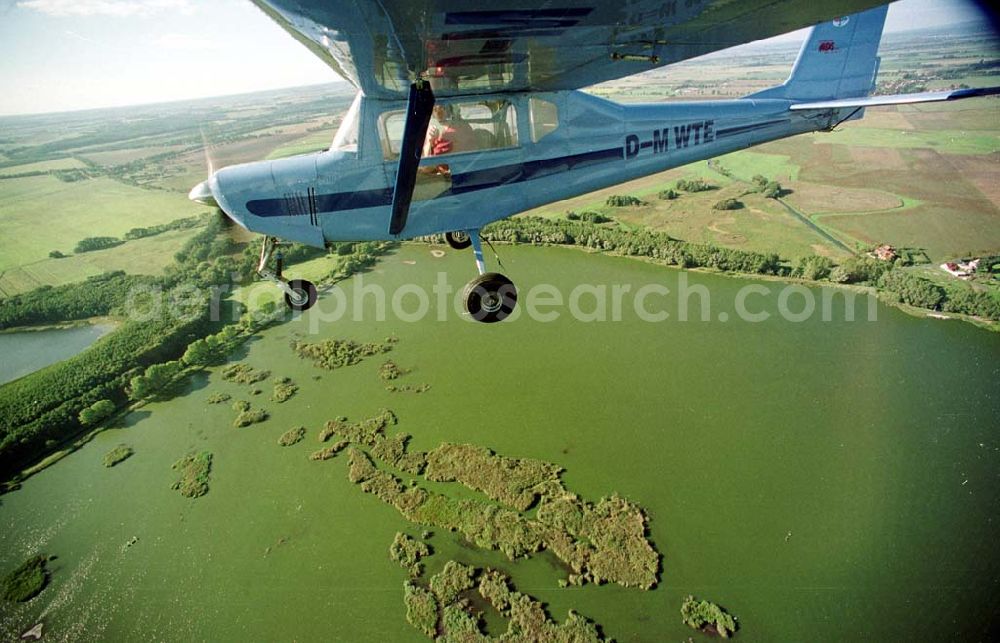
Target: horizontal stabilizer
838,60
898,99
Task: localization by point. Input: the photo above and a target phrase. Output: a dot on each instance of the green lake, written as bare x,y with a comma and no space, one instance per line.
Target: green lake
822,480
26,352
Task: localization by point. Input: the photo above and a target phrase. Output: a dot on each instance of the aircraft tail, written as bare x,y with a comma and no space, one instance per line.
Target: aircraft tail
838,60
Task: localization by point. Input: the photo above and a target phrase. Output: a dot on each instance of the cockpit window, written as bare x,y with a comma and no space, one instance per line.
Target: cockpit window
346,138
544,118
456,128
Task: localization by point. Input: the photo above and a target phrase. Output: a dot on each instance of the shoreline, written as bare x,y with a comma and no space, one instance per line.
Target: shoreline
912,311
114,322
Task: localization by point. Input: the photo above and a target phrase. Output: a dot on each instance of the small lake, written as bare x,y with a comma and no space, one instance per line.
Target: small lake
23,353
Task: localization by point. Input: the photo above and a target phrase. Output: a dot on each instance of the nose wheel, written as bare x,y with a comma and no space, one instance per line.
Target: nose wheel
458,240
490,297
300,294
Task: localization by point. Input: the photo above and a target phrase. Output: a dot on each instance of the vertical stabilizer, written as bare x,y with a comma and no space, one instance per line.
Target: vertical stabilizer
839,59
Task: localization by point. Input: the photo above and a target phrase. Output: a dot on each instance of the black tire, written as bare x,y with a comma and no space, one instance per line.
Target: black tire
458,240
490,298
306,292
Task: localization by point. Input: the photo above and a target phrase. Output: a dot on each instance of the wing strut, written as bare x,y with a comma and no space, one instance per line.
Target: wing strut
418,117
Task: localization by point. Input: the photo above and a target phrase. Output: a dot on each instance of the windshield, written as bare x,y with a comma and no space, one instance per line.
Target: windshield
346,138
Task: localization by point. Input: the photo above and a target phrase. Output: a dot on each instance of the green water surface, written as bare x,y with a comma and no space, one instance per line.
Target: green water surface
823,480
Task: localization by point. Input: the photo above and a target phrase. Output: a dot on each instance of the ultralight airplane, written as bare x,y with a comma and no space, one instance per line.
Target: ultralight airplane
510,129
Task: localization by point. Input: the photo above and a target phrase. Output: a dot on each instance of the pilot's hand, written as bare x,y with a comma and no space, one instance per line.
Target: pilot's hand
440,146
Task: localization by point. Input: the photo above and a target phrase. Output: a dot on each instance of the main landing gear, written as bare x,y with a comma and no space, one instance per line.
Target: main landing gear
299,293
490,297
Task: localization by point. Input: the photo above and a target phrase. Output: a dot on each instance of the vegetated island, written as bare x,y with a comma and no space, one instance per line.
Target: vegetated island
407,551
246,415
707,617
292,436
390,371
336,353
27,580
599,542
194,470
284,389
241,373
118,454
442,609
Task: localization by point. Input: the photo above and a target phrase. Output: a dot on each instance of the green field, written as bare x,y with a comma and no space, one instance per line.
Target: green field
312,142
943,141
41,214
147,256
744,165
41,166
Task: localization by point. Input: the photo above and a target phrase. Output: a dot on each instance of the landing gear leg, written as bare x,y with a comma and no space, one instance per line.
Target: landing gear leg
299,293
490,297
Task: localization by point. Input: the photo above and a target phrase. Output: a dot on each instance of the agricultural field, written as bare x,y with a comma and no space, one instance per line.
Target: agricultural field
147,256
41,166
104,172
42,214
921,176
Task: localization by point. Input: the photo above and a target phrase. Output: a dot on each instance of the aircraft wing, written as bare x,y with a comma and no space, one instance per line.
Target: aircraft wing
468,46
898,99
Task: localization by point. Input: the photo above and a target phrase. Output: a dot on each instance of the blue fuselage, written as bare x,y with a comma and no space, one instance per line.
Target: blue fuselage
346,194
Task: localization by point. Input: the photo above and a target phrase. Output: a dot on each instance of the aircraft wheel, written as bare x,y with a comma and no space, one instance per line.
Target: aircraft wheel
304,294
458,240
490,297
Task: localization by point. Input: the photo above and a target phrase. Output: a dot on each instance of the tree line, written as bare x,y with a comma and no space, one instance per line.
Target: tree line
888,276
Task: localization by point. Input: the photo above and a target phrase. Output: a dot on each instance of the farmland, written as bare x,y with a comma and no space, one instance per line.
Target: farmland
66,177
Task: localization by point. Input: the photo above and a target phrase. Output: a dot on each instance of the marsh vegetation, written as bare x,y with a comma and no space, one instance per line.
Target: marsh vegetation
119,454
27,581
194,471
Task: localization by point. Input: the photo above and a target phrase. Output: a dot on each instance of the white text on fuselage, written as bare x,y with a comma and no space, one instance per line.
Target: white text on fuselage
675,137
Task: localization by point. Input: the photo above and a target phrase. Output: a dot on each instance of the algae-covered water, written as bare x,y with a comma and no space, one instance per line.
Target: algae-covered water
822,480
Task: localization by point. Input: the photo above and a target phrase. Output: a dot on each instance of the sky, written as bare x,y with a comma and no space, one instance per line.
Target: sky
62,55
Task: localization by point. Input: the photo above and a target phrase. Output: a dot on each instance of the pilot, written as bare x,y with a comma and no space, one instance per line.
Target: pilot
451,135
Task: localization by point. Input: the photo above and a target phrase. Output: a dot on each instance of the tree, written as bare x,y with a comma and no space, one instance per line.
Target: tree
912,290
772,190
200,353
622,201
694,185
727,204
813,267
156,377
55,254
96,412
96,243
668,195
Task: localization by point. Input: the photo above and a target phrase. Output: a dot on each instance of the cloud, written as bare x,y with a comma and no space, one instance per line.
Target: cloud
120,8
184,42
